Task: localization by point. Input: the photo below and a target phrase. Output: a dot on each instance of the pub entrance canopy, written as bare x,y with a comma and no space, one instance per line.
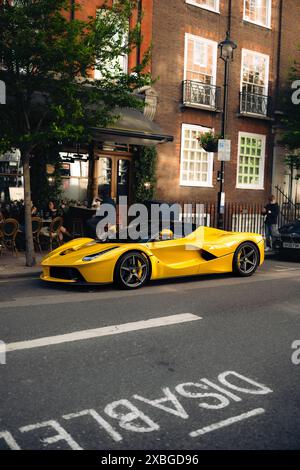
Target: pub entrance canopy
132,128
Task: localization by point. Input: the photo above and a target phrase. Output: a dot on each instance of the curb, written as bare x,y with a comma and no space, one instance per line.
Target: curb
19,275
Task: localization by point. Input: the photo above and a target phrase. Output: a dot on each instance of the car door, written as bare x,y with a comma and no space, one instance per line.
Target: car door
176,257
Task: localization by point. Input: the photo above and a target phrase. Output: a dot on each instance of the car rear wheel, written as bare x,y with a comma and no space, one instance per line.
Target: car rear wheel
132,270
246,259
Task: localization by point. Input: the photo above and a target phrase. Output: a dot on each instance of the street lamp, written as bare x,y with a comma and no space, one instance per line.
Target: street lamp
226,48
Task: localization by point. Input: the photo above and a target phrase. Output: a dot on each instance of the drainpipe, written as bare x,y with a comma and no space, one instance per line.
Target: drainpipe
139,19
72,10
229,16
279,48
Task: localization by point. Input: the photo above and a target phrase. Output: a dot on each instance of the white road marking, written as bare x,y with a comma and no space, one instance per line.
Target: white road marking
10,441
62,434
104,331
227,422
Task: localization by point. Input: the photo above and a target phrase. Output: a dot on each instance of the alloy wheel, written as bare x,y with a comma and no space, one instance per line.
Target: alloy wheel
133,270
247,259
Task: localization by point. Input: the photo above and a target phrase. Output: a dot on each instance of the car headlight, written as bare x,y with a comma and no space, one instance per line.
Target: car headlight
96,255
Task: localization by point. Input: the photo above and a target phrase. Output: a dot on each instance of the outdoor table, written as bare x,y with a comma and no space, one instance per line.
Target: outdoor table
79,212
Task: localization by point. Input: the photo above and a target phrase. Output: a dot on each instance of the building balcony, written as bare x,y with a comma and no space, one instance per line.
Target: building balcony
201,95
255,105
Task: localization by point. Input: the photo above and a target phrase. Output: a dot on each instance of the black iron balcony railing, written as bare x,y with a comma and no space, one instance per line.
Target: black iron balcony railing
254,103
202,95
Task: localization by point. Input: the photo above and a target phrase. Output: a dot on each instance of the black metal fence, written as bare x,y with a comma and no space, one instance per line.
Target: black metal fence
289,209
237,217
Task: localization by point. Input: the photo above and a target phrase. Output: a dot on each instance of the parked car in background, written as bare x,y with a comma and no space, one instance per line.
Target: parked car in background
287,241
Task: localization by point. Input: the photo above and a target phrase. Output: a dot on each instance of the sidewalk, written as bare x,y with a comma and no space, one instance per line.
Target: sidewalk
14,266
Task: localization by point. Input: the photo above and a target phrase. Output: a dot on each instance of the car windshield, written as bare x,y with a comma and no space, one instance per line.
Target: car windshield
137,233
291,228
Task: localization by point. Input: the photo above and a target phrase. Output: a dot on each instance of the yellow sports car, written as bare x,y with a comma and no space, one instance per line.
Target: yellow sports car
130,264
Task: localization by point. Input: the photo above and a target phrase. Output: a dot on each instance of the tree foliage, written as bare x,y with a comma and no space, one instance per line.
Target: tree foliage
290,104
46,61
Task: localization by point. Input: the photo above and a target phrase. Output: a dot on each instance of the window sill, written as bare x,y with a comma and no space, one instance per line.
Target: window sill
203,107
269,28
255,116
203,7
252,188
194,185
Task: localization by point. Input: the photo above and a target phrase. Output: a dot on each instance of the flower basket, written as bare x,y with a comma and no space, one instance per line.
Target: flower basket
209,142
211,146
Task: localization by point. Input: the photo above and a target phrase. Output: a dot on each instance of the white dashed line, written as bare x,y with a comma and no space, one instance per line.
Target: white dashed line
104,331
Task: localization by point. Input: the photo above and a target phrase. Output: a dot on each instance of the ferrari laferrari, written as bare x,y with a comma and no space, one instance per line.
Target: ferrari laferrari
132,263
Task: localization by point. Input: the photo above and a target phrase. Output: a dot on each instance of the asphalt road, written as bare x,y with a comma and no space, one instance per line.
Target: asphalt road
222,376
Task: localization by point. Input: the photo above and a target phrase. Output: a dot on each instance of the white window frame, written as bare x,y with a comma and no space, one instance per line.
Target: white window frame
269,19
205,7
244,52
207,41
122,59
260,185
198,184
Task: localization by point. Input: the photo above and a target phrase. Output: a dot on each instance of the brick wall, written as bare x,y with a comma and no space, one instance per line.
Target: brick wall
171,20
89,8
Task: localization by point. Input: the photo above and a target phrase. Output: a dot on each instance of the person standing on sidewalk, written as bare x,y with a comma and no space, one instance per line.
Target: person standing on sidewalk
271,211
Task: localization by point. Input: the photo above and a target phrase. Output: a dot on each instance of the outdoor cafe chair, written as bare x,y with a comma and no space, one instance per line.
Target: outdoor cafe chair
9,230
53,232
37,224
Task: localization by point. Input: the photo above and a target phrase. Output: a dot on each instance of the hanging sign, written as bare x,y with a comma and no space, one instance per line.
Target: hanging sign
224,150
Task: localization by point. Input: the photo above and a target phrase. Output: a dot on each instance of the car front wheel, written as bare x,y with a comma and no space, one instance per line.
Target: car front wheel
246,259
132,270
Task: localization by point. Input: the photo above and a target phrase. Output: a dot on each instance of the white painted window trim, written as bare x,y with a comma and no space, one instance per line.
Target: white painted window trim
195,184
269,21
244,52
205,7
259,186
121,58
214,44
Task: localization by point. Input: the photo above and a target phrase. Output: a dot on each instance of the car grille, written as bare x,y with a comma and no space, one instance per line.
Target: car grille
68,274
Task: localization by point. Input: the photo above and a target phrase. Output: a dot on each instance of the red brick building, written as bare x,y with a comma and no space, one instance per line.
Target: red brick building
186,34
189,87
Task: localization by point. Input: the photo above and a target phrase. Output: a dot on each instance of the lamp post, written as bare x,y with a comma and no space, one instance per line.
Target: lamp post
226,49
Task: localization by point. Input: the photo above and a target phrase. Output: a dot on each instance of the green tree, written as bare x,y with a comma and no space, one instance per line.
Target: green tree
291,119
46,61
44,186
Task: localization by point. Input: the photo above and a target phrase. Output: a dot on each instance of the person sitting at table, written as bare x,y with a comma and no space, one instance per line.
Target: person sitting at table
56,212
97,202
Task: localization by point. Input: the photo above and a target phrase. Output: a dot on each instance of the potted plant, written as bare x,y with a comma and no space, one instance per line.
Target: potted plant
209,142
